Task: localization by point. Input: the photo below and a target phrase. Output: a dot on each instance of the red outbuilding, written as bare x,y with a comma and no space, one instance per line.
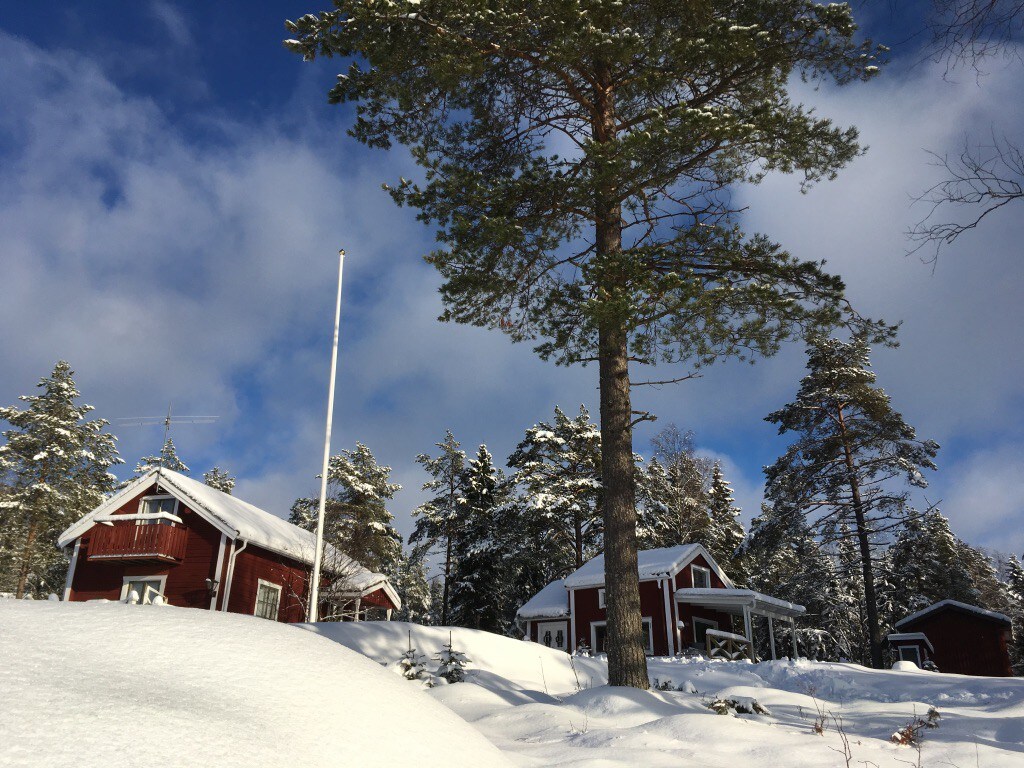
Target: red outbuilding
686,601
958,638
168,538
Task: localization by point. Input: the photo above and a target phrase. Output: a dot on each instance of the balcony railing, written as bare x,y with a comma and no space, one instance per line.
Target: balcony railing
138,542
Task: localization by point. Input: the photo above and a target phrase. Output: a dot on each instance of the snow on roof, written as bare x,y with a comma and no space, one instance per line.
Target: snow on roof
651,564
552,602
896,637
757,601
241,520
956,604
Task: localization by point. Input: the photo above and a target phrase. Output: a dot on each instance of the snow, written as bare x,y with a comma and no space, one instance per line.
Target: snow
111,686
544,708
652,564
551,602
953,604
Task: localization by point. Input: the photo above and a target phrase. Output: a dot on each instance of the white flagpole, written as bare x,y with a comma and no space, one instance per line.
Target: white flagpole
314,585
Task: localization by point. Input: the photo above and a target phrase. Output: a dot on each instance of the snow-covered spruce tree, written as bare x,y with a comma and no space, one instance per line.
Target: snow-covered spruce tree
167,459
409,579
440,521
558,470
624,250
925,565
851,449
452,666
356,519
783,558
55,464
220,479
726,530
482,578
672,492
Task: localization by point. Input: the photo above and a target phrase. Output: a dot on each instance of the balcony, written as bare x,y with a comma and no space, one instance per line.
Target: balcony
165,543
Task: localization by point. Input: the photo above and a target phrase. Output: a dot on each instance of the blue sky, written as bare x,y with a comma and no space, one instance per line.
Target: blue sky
174,189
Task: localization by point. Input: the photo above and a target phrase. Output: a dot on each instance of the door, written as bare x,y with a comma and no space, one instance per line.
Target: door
553,635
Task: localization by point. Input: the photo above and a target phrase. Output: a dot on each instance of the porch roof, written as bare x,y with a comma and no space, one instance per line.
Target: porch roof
734,600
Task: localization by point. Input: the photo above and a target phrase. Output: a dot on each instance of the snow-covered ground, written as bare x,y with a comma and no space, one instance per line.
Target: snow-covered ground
543,709
85,684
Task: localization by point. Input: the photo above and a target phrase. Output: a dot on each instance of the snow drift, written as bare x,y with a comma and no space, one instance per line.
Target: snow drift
89,684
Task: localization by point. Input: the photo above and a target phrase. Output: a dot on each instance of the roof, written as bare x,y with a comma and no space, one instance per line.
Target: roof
238,520
944,605
757,602
651,564
896,637
552,602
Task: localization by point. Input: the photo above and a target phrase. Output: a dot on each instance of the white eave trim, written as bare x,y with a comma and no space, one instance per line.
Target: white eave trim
741,598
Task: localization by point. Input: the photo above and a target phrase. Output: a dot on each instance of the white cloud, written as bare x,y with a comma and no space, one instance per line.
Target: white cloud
984,498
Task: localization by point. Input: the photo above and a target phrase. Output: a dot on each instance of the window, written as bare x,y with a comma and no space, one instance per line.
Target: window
599,634
600,598
700,629
701,577
142,589
155,505
552,634
910,653
268,600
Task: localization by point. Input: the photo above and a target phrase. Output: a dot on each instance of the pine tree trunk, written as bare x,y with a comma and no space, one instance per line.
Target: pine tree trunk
864,545
447,577
26,560
627,663
578,531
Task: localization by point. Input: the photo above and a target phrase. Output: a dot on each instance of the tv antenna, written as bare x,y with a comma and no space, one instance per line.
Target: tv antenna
153,421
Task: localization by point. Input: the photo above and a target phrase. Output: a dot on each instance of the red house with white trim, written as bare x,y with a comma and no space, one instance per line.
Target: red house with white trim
686,601
168,538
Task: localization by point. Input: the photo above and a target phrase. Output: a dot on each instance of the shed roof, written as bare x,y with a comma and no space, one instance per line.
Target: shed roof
955,605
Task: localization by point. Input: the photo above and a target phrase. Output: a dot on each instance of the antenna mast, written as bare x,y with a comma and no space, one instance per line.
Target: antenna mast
314,584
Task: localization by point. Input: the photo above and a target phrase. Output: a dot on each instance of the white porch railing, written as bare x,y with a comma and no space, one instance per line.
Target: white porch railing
726,645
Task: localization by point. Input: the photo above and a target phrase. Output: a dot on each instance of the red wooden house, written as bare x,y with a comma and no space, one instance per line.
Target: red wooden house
686,601
958,638
168,538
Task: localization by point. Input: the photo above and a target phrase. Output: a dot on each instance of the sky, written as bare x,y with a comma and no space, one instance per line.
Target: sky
174,189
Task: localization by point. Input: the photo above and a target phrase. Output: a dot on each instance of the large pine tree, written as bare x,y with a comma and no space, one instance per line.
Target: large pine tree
851,451
558,470
577,155
440,520
166,459
55,466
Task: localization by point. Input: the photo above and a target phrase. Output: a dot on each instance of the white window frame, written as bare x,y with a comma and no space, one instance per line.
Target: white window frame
554,627
600,598
694,621
256,600
126,580
643,620
694,569
153,497
917,652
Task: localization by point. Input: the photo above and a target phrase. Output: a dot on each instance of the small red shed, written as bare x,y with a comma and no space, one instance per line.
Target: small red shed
959,638
686,601
168,538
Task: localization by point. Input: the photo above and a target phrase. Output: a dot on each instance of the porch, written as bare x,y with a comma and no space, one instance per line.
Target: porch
744,603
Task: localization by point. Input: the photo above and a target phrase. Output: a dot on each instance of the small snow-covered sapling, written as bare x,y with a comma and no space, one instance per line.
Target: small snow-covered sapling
413,665
452,663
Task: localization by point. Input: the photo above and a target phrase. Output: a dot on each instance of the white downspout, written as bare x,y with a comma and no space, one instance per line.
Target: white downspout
231,573
71,570
572,620
670,629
